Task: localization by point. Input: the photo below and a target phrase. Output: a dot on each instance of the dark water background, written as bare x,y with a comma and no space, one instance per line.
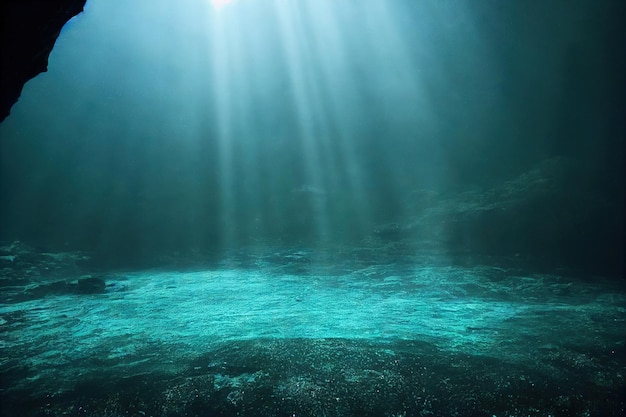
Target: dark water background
318,207
167,127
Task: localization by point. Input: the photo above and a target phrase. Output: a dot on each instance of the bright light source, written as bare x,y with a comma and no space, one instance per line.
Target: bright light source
218,4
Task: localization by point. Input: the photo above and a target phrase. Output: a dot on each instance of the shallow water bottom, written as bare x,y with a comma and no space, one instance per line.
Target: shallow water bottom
285,337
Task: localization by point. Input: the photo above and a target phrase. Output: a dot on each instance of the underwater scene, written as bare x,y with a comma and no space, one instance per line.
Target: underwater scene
318,208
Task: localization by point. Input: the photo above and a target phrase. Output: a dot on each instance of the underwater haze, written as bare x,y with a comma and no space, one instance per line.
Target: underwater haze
173,126
318,208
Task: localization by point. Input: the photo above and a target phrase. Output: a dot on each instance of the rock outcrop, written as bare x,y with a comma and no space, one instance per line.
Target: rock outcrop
554,214
29,30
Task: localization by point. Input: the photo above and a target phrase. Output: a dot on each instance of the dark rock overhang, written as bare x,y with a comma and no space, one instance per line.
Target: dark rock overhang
29,30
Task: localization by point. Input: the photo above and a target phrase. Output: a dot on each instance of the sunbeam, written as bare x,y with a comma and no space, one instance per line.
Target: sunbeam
302,78
269,208
218,4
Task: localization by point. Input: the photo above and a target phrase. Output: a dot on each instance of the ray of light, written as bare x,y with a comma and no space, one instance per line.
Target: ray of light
245,120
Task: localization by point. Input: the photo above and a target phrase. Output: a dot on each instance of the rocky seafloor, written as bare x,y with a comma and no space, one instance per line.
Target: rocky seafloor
357,332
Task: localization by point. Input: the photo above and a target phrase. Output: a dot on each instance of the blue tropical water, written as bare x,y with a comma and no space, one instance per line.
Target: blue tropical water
317,208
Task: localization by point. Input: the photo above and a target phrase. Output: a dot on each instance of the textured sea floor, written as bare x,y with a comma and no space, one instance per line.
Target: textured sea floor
286,335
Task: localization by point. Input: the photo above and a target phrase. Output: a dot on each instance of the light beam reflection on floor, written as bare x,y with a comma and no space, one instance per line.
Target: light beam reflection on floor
146,316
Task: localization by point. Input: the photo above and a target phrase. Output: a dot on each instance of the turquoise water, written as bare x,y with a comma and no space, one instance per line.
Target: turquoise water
271,208
208,326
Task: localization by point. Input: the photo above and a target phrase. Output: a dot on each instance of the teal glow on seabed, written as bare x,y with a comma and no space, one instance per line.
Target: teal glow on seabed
254,327
316,208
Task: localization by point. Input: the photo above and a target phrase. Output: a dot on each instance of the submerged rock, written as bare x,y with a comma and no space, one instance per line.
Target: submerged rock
90,285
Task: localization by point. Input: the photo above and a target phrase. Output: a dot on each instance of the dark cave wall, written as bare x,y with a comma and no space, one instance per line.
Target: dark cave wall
29,30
